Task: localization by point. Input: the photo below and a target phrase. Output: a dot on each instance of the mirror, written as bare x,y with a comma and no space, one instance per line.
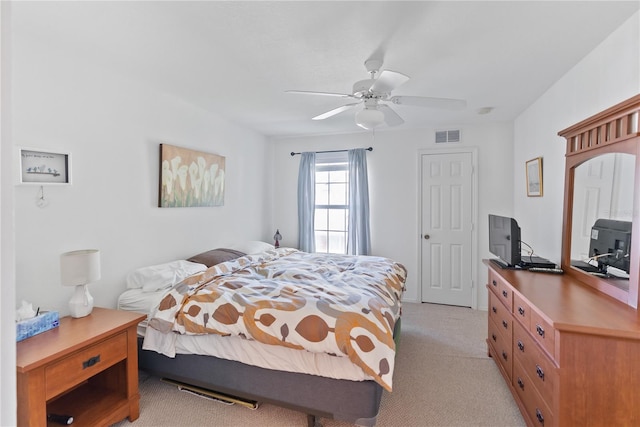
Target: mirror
603,190
602,200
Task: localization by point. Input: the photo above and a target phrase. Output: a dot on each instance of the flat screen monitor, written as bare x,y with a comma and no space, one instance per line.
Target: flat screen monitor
504,239
610,244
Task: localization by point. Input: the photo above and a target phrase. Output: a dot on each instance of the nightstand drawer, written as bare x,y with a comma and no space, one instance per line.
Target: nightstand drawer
84,364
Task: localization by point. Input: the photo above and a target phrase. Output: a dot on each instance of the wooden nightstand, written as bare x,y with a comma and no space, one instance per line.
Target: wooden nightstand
86,368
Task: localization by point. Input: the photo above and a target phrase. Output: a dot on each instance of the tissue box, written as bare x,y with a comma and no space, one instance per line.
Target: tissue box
36,325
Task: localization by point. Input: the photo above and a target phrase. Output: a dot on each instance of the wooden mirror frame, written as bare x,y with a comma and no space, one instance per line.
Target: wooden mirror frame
615,130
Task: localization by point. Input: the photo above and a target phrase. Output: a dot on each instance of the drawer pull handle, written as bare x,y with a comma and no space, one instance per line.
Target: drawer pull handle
521,311
504,355
494,309
540,330
520,383
90,362
493,336
505,294
494,283
540,372
539,416
520,345
505,324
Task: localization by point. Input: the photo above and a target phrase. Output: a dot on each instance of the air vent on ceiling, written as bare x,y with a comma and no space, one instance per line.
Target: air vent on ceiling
445,136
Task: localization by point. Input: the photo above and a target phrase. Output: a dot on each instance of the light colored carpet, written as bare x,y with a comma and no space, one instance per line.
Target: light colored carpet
443,377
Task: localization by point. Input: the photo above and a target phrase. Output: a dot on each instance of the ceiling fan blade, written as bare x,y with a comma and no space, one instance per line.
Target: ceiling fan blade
388,81
391,118
334,111
423,101
308,92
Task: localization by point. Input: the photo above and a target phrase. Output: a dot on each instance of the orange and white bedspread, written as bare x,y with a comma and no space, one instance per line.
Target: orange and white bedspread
342,305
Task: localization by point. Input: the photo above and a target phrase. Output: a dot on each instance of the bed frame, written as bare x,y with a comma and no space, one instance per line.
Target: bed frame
356,402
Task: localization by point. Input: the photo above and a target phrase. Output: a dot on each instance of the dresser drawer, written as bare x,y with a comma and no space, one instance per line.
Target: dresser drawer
501,316
501,348
501,288
536,407
535,363
84,364
543,333
521,310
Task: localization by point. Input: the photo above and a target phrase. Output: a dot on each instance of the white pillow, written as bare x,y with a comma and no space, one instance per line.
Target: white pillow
161,276
252,247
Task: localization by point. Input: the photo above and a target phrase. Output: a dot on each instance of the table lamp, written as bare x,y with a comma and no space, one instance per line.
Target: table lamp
277,237
79,268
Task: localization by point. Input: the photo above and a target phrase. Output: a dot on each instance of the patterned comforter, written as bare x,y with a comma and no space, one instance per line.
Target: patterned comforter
342,305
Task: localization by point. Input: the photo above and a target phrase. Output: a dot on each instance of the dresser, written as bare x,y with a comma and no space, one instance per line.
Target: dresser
569,354
86,368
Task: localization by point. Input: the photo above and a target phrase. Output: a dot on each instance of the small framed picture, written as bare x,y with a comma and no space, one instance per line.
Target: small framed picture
44,167
534,177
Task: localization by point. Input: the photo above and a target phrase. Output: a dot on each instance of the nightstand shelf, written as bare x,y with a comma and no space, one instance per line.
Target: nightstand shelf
90,405
86,368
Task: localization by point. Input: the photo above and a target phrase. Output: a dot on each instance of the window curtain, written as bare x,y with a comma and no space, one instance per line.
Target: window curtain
306,202
359,234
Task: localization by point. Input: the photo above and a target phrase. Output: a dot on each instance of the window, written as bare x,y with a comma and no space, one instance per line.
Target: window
332,204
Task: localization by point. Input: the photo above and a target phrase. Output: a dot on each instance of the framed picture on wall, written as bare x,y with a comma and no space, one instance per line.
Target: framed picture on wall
190,178
44,167
534,177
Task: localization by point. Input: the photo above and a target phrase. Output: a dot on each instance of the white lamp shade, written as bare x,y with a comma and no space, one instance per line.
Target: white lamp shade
369,118
80,267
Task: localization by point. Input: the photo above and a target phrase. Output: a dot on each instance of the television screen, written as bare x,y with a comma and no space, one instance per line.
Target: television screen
610,244
504,239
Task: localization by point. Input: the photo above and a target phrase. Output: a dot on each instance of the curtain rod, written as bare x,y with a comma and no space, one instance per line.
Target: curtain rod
332,151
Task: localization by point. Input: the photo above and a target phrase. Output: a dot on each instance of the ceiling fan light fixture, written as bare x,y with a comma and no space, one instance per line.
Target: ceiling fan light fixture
369,118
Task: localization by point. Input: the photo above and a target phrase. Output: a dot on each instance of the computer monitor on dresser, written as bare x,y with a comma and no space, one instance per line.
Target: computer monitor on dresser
610,244
504,240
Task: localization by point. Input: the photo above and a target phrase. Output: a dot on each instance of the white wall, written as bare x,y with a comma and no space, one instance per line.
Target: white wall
393,188
608,75
113,124
7,271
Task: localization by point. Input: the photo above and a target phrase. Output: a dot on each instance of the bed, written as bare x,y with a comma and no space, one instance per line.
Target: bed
314,333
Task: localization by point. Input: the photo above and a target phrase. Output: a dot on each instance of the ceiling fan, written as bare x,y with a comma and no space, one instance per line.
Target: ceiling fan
374,93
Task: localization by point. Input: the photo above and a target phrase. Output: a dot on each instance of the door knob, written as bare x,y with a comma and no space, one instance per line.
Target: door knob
426,237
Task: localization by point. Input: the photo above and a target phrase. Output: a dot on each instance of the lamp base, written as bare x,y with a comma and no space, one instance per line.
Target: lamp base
81,303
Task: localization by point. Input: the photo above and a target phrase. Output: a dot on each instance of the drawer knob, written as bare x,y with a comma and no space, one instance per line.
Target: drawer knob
494,309
494,283
505,324
520,383
540,372
520,345
521,311
493,336
505,294
539,416
540,330
90,362
504,355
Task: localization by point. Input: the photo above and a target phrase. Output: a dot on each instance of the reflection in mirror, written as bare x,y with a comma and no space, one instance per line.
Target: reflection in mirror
602,214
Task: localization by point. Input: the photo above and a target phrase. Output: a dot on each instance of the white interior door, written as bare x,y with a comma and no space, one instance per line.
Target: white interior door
592,200
597,194
446,227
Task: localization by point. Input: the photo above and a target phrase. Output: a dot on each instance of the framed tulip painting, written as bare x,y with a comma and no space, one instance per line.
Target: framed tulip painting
190,178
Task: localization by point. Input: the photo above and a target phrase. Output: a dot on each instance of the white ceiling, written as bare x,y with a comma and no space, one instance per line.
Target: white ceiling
238,58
